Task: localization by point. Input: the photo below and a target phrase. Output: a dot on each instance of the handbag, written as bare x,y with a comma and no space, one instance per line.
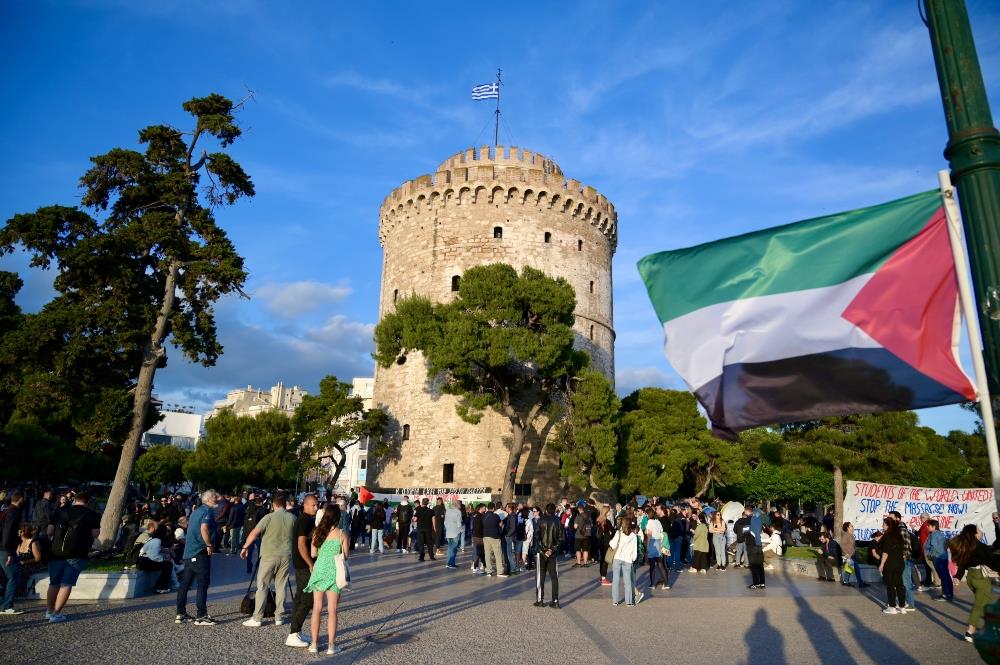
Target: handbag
343,575
849,567
249,602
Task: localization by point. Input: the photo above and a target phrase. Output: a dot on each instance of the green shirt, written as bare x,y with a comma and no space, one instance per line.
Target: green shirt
277,531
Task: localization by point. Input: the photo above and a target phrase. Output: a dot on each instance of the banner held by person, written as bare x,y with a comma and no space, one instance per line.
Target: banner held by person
865,504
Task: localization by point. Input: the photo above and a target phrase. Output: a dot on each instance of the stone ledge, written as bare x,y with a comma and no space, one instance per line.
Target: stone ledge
98,585
807,568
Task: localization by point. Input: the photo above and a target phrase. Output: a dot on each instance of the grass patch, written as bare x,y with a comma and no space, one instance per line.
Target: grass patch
807,553
113,565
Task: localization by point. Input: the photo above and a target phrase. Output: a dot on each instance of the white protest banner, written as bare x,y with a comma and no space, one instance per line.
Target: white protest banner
467,495
865,504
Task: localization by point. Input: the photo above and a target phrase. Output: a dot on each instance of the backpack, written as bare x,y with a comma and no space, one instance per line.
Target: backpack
586,526
67,537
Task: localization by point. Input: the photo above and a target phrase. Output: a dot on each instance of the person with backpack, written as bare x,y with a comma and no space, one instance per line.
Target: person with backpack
72,531
10,522
583,526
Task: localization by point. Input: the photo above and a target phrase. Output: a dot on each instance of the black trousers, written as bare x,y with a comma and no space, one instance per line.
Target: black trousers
404,536
425,538
302,601
546,565
162,568
894,589
757,573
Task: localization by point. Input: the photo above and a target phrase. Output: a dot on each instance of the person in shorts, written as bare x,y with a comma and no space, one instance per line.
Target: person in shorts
72,531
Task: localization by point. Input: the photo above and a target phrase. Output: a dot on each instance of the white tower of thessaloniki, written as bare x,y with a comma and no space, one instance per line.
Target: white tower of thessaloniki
491,205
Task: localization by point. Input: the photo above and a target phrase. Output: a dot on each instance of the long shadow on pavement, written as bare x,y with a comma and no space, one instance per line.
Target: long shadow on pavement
880,649
764,642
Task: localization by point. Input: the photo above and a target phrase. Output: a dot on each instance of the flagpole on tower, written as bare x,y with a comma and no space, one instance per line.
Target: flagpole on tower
496,127
954,218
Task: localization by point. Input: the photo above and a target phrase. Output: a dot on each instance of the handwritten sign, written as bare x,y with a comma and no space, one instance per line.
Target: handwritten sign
467,495
865,504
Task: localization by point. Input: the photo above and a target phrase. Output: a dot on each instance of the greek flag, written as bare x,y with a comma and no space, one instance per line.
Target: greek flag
486,91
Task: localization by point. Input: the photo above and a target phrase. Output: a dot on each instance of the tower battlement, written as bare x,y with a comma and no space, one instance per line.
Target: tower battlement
491,176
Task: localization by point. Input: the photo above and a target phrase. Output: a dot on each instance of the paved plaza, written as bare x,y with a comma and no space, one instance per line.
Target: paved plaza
402,611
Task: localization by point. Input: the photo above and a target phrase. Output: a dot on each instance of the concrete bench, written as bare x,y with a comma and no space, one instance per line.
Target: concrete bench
99,585
808,568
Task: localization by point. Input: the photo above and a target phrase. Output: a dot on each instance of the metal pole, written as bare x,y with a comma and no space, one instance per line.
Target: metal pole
973,152
496,127
954,219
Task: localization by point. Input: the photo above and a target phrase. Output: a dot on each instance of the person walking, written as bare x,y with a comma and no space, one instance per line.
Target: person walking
72,532
936,552
425,530
12,517
378,528
549,536
276,532
329,543
972,557
453,528
198,561
891,548
302,562
625,546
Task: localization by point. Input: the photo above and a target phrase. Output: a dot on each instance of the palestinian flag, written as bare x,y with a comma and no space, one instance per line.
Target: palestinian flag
852,313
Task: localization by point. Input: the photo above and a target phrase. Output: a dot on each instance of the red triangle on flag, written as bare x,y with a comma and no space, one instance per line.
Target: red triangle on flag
910,306
364,496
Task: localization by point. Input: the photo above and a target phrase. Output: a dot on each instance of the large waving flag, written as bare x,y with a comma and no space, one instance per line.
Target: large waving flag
852,313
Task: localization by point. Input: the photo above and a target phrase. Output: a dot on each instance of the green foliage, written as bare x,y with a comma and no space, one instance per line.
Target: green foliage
258,451
667,446
504,343
586,439
331,422
161,465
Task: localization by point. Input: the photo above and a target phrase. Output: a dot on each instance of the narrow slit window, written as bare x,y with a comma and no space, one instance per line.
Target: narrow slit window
498,232
548,237
591,332
455,281
448,473
395,295
579,245
406,432
591,287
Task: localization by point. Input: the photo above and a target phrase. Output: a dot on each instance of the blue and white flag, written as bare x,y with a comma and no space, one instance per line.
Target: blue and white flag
486,91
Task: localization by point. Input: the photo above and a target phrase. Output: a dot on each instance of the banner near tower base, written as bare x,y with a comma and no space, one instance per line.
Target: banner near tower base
467,495
867,503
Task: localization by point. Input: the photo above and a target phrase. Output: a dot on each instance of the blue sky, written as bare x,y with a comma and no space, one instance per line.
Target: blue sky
697,120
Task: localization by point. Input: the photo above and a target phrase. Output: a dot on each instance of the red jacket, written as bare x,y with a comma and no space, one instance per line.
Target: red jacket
924,529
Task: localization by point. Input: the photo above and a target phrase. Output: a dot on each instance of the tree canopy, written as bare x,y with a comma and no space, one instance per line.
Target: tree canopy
161,465
586,438
236,451
504,343
150,269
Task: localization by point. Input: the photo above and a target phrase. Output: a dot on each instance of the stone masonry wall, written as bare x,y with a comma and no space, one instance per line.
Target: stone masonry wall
434,228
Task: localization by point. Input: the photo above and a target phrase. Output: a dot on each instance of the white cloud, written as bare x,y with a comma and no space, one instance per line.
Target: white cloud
290,300
628,379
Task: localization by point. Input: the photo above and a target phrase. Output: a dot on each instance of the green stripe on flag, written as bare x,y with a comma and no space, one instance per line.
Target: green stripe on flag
802,255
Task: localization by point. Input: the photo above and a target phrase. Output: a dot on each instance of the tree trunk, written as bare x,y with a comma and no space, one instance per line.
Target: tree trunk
708,481
513,461
838,497
140,404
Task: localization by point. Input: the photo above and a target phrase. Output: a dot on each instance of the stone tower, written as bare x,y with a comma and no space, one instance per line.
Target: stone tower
492,205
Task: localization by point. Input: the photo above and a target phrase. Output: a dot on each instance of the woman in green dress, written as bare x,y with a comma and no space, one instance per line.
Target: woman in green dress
328,542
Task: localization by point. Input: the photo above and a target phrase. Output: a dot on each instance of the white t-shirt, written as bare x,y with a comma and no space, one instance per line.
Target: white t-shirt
655,529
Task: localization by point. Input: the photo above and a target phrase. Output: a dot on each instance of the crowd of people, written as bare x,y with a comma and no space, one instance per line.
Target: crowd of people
310,541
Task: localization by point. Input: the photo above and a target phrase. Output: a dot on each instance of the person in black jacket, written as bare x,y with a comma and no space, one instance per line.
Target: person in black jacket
741,527
403,515
548,538
425,530
9,540
972,557
492,531
829,557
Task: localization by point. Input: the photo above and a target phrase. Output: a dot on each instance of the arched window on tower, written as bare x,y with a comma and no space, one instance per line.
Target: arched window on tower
455,281
579,245
498,232
406,432
591,287
548,237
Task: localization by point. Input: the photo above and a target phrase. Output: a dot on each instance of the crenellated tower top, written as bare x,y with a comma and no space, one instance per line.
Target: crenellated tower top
492,175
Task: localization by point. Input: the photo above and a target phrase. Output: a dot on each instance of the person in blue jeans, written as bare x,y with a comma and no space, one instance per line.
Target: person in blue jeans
625,543
935,549
9,541
453,530
198,561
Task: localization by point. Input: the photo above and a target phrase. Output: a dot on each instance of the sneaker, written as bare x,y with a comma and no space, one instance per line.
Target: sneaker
332,649
399,551
10,611
539,603
704,571
942,599
313,648
618,603
665,587
638,599
180,618
908,608
503,575
890,610
204,621
295,640
555,605
452,567
279,622
252,623
58,618
605,581
48,615
162,591
629,604
968,637
924,588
